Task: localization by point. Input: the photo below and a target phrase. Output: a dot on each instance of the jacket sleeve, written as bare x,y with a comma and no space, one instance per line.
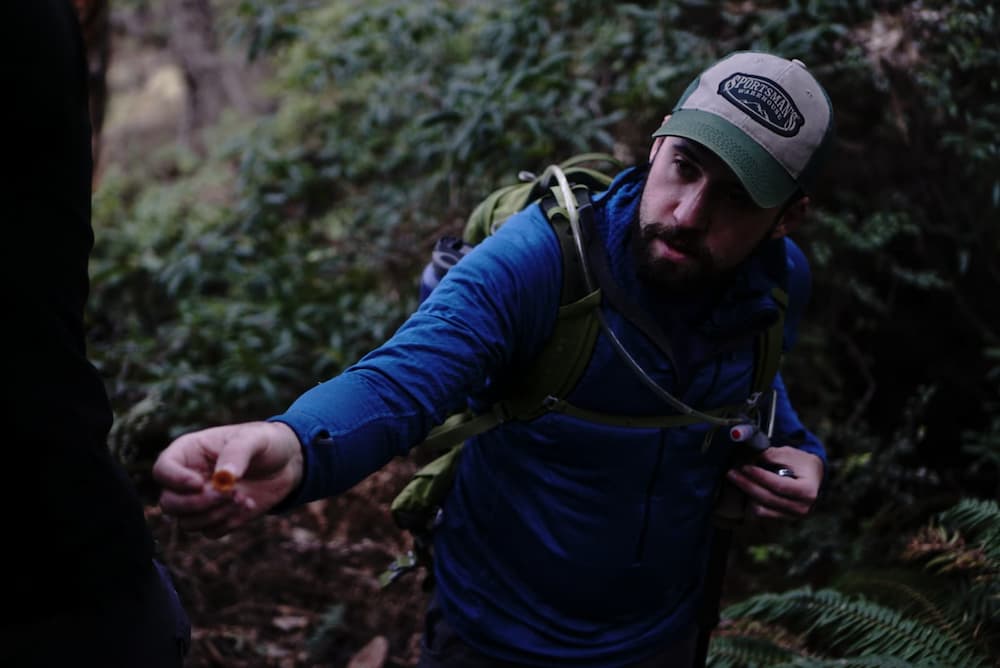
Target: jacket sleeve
798,283
494,308
788,429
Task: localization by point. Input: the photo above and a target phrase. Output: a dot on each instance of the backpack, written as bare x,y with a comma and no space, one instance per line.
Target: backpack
563,192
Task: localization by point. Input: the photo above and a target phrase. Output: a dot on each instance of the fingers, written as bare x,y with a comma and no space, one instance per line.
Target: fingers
208,511
217,479
804,465
187,463
185,505
218,521
175,470
773,496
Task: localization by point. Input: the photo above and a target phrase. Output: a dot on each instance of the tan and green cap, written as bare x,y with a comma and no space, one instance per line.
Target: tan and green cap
764,116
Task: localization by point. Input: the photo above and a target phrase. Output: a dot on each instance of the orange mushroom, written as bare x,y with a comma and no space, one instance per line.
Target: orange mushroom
224,481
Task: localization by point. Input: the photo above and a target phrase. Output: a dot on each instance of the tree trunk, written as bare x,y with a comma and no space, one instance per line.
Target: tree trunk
194,46
95,22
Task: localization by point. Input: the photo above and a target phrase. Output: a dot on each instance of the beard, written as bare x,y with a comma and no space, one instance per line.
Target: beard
696,271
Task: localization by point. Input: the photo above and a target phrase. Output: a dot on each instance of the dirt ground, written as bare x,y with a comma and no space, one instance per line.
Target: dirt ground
301,590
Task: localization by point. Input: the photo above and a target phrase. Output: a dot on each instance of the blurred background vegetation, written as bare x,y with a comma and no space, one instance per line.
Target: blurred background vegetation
276,231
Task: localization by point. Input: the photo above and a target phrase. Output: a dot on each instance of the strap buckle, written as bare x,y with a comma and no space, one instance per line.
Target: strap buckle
399,567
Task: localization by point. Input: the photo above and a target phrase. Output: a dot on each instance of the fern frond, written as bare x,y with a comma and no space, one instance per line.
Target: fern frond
973,515
979,521
868,661
947,552
734,651
855,626
980,610
912,594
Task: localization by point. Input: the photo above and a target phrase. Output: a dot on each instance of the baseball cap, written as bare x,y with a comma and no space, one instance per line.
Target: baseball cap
766,117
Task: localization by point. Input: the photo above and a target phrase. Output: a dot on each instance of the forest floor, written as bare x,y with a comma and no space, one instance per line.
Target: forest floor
301,589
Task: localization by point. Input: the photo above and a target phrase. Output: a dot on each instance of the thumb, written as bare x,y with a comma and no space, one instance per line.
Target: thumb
231,465
241,446
246,455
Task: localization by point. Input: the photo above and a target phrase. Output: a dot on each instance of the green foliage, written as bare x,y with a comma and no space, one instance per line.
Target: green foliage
963,545
933,601
739,651
225,284
983,446
980,521
330,623
264,25
857,627
294,247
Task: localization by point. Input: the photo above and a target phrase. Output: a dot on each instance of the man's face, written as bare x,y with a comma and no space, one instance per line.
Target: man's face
696,221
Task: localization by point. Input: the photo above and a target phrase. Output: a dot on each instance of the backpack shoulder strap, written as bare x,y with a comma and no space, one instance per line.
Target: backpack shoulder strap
767,356
564,356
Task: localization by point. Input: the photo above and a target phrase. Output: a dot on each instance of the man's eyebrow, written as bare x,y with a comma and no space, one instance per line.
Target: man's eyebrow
704,158
688,148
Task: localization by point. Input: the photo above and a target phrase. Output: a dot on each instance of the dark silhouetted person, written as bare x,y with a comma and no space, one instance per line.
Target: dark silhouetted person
80,584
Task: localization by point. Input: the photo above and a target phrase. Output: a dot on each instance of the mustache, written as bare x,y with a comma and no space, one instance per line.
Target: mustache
688,241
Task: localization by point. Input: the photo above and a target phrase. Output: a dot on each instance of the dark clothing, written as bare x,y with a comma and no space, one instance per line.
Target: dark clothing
441,647
76,541
141,626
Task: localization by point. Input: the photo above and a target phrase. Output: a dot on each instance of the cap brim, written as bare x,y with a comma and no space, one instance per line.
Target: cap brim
766,181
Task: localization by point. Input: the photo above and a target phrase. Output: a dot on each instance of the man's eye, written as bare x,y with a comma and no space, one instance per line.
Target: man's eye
685,168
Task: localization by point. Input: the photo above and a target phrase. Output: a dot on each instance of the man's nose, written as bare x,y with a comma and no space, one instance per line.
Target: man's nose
692,210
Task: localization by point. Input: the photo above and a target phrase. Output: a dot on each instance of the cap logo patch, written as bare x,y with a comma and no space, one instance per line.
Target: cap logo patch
764,101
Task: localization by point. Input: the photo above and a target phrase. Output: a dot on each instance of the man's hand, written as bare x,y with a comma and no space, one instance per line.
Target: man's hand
775,496
254,466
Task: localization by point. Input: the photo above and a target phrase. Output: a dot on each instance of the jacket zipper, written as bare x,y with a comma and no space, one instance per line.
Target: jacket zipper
640,547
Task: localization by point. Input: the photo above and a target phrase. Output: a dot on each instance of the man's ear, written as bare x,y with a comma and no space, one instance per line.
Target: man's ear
657,143
791,218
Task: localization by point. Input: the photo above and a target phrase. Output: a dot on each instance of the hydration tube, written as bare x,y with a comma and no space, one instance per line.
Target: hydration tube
743,429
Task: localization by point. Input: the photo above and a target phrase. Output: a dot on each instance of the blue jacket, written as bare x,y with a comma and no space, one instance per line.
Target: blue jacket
562,541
